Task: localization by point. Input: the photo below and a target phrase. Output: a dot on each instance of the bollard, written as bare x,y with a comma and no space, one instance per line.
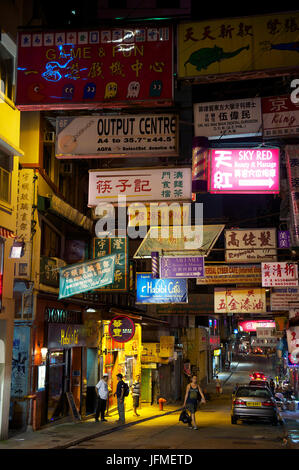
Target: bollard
161,403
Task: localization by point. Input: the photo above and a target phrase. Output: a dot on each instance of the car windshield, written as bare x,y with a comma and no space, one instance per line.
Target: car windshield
256,392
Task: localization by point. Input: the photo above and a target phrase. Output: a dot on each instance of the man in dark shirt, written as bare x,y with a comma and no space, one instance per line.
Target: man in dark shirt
120,390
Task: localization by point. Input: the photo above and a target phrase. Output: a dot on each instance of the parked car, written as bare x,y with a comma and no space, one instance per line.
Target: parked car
258,376
254,402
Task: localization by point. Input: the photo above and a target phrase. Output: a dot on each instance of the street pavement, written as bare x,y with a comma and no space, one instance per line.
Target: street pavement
67,433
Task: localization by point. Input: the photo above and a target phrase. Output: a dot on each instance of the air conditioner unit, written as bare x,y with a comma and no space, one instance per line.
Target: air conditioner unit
66,168
49,137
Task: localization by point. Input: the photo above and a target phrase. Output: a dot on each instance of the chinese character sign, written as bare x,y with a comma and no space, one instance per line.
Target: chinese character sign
250,245
167,346
279,274
103,136
227,119
293,344
235,45
121,329
292,164
24,216
244,171
250,300
117,246
141,185
82,68
280,117
83,277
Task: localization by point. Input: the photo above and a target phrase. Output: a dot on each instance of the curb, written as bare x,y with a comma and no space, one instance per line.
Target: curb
109,431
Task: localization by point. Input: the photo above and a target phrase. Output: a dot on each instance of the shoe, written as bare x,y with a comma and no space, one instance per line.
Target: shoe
104,419
137,414
195,427
96,420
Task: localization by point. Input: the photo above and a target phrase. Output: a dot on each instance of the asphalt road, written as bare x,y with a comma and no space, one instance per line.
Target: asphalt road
213,420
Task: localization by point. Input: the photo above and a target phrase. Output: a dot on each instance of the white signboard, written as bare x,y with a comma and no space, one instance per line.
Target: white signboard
142,185
250,245
281,296
117,135
280,116
227,119
279,274
264,332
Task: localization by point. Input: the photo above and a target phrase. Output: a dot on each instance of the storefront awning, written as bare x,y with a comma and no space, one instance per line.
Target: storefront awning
65,211
9,148
5,233
206,235
136,316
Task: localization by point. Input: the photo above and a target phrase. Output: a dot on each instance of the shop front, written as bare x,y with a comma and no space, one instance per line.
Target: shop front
215,354
121,356
66,360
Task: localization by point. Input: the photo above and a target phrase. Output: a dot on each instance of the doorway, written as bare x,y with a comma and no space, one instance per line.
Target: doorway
58,383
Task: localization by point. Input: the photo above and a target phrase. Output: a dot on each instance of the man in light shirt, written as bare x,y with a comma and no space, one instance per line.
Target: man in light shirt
102,397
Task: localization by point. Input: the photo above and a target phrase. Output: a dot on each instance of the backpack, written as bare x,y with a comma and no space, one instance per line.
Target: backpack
126,389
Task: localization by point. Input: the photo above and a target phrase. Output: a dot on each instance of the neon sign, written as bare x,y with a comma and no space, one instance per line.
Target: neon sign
244,171
121,329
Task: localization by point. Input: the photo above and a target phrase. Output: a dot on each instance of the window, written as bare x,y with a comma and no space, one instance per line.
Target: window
7,62
5,177
51,242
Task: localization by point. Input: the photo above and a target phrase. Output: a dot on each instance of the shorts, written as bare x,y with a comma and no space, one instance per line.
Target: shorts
192,407
136,401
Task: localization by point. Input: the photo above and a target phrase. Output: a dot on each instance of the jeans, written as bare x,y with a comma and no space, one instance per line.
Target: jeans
101,408
121,410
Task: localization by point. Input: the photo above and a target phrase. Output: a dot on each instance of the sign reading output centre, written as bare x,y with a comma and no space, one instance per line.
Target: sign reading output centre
243,171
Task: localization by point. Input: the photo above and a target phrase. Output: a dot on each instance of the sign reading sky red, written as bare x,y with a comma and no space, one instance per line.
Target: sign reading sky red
59,70
243,171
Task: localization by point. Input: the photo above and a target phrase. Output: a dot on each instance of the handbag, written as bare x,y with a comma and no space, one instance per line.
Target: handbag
185,417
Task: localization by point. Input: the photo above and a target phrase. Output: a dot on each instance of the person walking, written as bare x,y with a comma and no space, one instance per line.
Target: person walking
218,385
102,397
136,394
193,391
120,393
272,386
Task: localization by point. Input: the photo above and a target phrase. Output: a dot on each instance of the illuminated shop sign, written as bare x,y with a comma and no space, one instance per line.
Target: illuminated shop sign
117,136
279,274
244,171
159,291
64,69
248,326
238,300
151,184
121,329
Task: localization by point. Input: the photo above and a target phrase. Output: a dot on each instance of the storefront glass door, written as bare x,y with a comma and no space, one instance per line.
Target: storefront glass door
57,383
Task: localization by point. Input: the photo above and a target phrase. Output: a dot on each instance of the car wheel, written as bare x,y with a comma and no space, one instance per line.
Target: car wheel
234,420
